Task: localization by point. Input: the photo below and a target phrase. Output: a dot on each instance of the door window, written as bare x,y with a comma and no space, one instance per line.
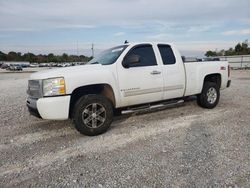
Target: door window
167,54
146,55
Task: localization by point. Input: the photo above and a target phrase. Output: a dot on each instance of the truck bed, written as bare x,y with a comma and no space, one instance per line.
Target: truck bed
196,72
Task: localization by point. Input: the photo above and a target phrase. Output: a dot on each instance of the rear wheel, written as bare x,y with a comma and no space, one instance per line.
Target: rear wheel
209,96
93,115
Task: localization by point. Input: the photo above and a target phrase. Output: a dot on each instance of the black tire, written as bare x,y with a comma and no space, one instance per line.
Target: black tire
87,121
209,89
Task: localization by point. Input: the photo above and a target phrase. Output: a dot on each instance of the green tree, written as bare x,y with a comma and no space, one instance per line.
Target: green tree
230,51
210,53
65,57
52,58
41,58
244,46
3,56
12,56
238,48
17,56
30,57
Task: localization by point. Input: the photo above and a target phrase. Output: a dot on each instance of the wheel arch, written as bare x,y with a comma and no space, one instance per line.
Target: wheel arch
215,78
102,89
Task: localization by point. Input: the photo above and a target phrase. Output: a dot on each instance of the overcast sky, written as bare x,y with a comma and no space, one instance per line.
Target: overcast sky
43,26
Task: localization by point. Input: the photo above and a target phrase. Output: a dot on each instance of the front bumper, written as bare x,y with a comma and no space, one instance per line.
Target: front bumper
52,108
33,112
228,83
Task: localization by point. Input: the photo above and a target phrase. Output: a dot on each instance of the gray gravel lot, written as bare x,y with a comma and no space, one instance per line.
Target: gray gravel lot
186,146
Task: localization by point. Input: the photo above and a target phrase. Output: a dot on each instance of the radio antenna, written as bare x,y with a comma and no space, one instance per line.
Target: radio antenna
92,48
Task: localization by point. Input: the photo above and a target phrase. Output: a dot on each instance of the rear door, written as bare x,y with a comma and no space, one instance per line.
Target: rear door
173,71
141,82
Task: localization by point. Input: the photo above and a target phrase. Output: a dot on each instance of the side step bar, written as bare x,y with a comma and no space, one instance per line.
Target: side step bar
151,107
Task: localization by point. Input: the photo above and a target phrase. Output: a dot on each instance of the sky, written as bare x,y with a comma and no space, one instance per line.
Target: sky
58,26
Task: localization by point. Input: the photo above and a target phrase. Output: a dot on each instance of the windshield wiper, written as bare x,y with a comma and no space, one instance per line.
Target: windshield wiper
96,62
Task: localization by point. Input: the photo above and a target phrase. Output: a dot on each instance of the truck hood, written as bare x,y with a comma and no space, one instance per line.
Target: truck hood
65,72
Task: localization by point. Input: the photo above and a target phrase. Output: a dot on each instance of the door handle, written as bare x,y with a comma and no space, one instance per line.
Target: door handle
155,72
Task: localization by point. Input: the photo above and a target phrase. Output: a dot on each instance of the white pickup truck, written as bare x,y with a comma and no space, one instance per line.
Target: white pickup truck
125,78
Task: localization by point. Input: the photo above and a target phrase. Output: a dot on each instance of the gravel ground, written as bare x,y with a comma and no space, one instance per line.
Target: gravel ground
185,146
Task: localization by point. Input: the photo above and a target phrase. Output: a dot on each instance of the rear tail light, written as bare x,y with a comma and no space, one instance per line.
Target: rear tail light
229,70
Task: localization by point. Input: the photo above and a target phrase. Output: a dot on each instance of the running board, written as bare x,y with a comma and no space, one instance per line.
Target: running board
151,107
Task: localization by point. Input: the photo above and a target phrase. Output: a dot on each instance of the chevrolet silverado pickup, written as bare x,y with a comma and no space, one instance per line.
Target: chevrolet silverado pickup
124,78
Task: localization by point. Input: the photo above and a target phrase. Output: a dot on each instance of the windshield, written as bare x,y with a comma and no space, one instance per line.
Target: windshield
109,56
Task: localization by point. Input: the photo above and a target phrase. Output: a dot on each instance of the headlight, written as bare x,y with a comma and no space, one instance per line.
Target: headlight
53,86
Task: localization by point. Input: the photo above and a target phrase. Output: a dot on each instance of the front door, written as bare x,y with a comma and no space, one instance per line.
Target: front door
141,82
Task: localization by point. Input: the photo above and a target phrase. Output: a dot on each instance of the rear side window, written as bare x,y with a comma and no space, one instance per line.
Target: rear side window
146,54
167,54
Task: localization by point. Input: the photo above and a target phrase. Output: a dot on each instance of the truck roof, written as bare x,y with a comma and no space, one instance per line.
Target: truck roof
153,43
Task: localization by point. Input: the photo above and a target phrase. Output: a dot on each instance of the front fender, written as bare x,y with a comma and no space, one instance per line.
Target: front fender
92,77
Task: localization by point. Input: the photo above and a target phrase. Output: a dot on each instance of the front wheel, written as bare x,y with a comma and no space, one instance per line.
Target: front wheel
93,115
209,96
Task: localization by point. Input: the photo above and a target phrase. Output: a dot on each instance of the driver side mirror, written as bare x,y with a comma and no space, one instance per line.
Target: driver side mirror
130,60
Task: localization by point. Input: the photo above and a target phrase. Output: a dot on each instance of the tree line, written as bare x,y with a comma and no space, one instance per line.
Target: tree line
41,58
239,49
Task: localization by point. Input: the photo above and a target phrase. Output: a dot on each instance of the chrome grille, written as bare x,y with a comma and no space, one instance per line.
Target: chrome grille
34,89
